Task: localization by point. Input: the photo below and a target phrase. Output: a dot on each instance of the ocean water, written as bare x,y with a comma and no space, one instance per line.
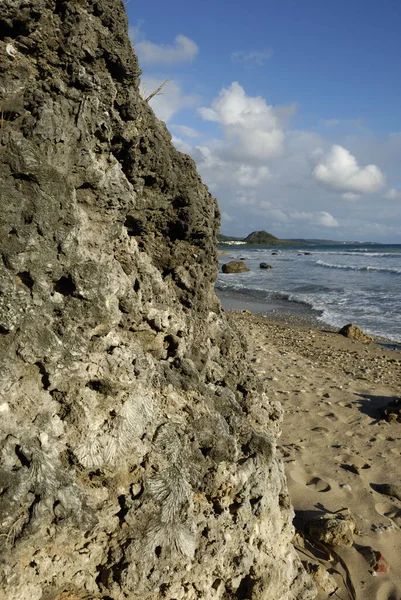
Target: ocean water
343,283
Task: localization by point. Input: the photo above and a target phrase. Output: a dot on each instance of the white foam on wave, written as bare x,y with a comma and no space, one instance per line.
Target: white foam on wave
321,263
357,253
371,300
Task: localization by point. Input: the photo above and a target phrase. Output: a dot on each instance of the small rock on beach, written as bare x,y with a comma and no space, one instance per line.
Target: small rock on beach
355,333
335,530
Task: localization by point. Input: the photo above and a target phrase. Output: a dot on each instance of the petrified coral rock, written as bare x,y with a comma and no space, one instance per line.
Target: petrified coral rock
235,266
322,578
137,450
355,333
391,411
335,530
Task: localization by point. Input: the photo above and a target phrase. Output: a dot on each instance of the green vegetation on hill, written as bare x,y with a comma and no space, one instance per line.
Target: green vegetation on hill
262,238
256,238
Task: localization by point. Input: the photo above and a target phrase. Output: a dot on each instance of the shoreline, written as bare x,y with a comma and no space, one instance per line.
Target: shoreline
277,308
335,448
287,312
353,287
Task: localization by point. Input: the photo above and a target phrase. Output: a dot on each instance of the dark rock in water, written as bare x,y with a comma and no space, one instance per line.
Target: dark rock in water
308,253
354,333
274,253
392,410
138,448
235,266
264,265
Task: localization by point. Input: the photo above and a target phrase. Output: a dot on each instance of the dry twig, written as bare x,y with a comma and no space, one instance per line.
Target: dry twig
332,556
156,92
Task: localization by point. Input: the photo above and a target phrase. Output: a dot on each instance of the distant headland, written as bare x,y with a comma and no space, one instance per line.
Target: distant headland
263,238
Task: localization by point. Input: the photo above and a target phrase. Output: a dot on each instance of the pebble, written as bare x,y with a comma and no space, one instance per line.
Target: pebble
374,558
382,528
136,489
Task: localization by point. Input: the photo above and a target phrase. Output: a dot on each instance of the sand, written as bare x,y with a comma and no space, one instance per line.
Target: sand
334,446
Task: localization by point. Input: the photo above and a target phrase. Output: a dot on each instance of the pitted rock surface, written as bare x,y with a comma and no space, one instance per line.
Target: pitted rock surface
235,266
355,333
137,447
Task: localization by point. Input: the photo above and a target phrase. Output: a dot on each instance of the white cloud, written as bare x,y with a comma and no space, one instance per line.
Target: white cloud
219,172
350,196
339,170
330,122
186,131
181,145
249,176
245,198
248,122
281,193
322,218
273,212
326,219
285,113
226,217
170,100
344,123
183,50
257,57
134,31
393,194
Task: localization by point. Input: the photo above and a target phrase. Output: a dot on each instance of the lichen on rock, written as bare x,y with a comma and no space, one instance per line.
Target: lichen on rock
137,447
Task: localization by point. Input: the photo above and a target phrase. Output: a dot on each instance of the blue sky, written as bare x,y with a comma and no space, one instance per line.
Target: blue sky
291,109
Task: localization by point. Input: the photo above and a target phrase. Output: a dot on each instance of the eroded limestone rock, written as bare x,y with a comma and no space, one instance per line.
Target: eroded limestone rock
235,266
322,578
137,449
392,411
332,529
355,333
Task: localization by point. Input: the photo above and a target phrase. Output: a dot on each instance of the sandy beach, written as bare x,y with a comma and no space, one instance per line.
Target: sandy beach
335,447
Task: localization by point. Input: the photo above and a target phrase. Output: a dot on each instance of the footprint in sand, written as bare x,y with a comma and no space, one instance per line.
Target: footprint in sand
314,483
329,415
388,591
391,511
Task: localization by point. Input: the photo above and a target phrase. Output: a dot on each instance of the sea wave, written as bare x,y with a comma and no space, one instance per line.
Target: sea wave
312,302
297,299
359,253
321,263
